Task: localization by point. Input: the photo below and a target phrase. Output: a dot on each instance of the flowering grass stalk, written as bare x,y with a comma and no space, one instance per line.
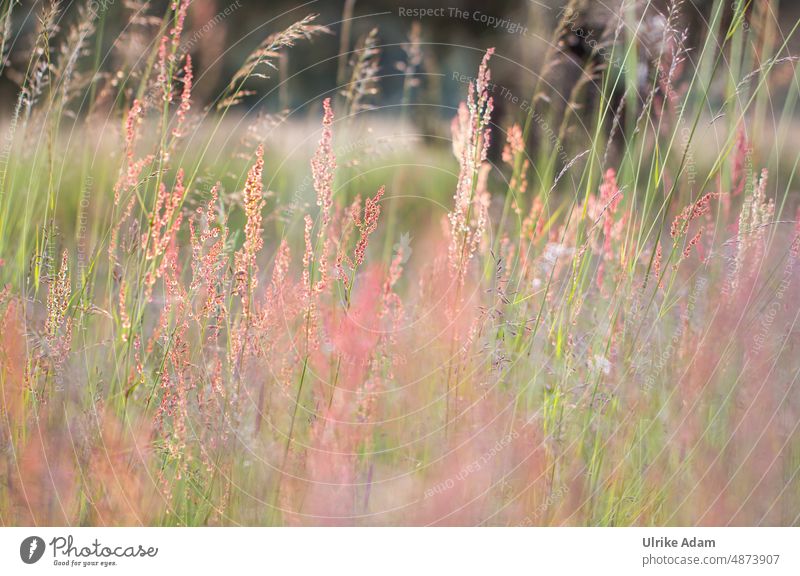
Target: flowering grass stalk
610,343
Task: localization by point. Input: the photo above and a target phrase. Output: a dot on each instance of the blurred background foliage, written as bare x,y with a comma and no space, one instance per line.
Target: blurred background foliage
222,33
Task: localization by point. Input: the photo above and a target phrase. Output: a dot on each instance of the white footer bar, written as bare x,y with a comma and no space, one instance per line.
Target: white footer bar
387,551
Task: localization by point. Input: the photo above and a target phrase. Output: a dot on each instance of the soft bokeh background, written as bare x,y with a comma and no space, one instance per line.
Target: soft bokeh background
221,33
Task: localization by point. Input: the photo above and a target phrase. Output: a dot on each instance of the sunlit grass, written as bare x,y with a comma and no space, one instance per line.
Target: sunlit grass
582,316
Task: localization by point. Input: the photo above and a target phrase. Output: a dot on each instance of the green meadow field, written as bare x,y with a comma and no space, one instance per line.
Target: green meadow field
367,274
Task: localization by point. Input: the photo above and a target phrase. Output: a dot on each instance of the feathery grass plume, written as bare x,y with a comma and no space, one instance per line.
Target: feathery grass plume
739,174
754,218
323,167
363,82
513,148
58,327
681,223
265,54
168,49
58,299
246,269
692,212
124,317
471,140
208,259
657,264
309,294
164,223
607,203
610,197
392,305
673,53
413,52
367,225
74,46
392,312
179,7
39,74
514,144
186,97
275,301
130,173
5,34
345,225
163,80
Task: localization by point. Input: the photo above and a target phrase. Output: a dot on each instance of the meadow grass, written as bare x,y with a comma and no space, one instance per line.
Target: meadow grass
579,314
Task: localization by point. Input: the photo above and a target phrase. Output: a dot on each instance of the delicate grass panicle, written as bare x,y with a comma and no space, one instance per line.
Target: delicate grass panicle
529,333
